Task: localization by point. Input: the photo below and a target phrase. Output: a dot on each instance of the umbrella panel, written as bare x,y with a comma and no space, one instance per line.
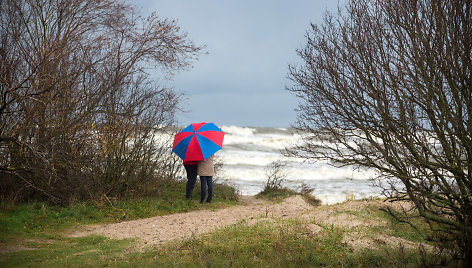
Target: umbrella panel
182,146
208,147
214,136
194,150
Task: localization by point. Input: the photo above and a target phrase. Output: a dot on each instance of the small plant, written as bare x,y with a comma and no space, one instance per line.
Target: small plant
305,189
275,174
273,189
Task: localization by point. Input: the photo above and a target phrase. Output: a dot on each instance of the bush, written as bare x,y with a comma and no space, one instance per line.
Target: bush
79,114
273,188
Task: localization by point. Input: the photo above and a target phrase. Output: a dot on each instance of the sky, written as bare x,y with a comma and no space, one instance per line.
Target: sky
242,78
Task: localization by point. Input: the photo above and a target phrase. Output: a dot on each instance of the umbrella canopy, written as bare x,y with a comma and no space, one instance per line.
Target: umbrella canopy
198,141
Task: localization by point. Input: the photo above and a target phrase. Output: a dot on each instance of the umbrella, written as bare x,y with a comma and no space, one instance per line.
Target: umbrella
198,141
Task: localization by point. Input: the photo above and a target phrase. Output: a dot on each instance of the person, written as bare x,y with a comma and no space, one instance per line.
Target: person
206,171
191,167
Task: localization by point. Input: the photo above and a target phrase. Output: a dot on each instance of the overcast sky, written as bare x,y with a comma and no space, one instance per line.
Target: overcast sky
242,79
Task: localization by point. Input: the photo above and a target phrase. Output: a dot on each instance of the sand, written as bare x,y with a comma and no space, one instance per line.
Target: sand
157,230
352,216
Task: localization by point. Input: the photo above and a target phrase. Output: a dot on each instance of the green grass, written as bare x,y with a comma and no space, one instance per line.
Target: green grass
276,194
266,243
269,243
38,228
404,230
37,219
279,194
88,251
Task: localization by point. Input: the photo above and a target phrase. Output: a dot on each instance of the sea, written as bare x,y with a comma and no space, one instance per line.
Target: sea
248,153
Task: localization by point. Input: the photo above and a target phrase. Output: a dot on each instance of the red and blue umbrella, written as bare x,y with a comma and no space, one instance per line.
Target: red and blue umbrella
198,141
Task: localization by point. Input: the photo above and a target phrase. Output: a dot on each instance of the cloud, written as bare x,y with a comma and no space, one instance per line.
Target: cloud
250,44
227,108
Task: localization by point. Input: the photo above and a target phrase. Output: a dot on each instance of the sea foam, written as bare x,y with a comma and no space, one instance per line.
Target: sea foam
248,152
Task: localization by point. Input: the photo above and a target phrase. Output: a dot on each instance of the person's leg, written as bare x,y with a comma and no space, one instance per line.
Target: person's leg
210,188
203,182
191,180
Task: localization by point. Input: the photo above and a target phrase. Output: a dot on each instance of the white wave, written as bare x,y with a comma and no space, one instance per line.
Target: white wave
328,192
238,131
251,139
256,171
247,153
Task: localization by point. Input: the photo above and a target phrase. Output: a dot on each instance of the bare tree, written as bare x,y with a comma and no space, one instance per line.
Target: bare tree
387,85
79,114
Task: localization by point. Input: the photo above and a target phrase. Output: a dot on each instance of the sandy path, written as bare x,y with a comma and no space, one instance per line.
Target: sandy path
157,230
353,217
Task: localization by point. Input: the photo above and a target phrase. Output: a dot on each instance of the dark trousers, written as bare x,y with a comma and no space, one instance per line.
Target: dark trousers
191,179
206,181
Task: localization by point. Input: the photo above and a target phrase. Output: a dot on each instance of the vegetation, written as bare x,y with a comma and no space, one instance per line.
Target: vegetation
32,233
39,220
274,190
386,85
80,116
267,242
